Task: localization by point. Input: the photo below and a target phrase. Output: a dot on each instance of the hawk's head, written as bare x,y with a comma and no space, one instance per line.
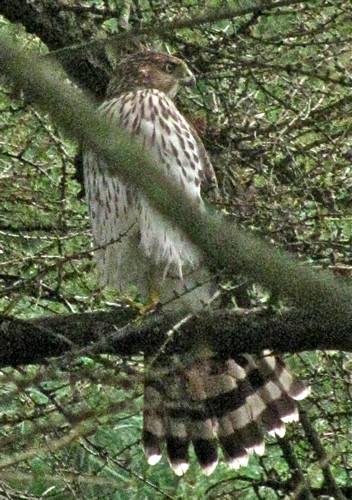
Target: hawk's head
150,70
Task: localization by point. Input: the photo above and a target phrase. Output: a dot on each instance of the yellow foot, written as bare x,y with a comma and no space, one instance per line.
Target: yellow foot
152,303
143,309
146,309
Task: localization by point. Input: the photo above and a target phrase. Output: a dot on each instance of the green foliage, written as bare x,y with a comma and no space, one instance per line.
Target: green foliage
273,93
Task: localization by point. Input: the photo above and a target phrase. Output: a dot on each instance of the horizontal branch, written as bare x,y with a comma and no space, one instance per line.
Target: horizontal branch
213,15
224,244
224,332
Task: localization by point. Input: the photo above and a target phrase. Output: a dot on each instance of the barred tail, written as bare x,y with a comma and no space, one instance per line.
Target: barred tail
216,403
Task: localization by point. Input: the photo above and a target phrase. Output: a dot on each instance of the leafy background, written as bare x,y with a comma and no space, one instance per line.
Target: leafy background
273,107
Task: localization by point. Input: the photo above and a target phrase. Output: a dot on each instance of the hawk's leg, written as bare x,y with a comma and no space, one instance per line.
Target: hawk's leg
143,309
152,302
149,300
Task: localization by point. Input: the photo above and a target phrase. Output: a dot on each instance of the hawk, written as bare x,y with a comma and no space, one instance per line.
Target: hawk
206,401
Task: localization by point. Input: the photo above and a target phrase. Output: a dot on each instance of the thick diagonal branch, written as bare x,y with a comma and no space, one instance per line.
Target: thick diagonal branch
223,244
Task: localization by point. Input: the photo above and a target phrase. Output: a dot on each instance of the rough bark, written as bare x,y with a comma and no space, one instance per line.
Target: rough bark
58,28
227,333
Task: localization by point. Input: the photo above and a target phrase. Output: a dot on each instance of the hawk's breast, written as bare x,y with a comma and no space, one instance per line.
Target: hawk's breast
153,119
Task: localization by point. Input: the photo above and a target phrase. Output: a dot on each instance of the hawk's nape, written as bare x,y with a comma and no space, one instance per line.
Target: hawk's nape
206,402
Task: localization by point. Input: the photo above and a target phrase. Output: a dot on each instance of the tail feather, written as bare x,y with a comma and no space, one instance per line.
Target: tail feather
177,452
207,453
218,402
153,424
271,401
200,422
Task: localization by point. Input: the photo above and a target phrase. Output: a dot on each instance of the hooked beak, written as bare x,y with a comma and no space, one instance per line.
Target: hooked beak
189,80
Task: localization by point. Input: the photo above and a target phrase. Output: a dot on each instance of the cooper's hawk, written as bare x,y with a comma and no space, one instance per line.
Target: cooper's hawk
208,401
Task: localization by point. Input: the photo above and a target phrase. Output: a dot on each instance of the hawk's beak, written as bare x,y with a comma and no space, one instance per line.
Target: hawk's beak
189,80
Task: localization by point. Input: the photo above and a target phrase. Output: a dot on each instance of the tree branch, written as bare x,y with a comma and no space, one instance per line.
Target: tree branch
223,244
58,28
86,62
211,16
330,484
299,486
224,332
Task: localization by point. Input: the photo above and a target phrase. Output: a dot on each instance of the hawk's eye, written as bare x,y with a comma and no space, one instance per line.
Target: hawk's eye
169,68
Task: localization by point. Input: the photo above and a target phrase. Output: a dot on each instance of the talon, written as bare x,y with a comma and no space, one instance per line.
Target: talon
152,303
143,309
154,298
